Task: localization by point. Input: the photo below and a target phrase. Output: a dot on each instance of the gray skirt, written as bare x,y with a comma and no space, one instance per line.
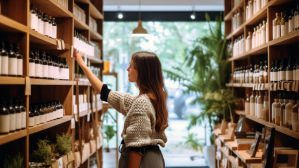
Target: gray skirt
152,158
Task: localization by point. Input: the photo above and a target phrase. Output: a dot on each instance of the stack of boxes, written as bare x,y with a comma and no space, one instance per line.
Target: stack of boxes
79,13
93,24
64,3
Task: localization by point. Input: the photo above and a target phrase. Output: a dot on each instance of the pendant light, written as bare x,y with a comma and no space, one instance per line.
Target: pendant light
139,31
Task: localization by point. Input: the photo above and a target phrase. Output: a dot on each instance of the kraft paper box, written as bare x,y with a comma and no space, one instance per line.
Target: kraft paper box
55,164
64,161
70,157
86,151
77,159
70,165
100,140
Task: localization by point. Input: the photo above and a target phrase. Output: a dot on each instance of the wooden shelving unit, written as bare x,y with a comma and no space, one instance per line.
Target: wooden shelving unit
15,27
282,47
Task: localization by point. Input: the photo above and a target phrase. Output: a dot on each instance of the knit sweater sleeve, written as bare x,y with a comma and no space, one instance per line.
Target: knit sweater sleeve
139,132
121,102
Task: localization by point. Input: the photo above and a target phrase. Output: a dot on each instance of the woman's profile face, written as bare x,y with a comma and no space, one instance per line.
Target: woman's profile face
132,72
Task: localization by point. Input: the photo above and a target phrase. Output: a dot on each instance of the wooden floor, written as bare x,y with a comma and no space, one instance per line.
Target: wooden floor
109,159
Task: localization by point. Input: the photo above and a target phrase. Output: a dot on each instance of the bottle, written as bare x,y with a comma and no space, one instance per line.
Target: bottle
50,27
249,42
260,35
291,21
19,61
276,73
33,18
283,24
254,38
263,34
54,28
67,70
4,60
45,65
286,21
256,103
61,68
12,61
243,74
296,19
272,72
36,116
50,112
31,117
257,75
4,119
265,76
289,71
61,110
41,114
12,114
275,27
278,111
252,103
261,74
288,112
247,104
23,114
250,9
50,68
282,71
274,110
260,104
251,74
38,65
18,115
283,103
246,74
56,67
267,31
54,111
266,107
46,25
295,111
31,65
294,69
46,111
40,22
278,26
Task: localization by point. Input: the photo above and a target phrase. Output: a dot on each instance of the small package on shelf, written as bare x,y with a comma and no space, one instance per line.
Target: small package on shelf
93,24
80,13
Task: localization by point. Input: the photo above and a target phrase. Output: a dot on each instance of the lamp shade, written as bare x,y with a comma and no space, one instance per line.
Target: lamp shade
139,31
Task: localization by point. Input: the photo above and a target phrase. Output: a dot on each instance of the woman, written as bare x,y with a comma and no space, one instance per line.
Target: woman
146,114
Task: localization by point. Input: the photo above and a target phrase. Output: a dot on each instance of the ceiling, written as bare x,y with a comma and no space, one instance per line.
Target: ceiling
164,5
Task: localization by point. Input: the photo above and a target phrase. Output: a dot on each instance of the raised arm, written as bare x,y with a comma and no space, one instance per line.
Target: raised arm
95,82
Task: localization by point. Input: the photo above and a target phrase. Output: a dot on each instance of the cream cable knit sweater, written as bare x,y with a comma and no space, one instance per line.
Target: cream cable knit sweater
139,128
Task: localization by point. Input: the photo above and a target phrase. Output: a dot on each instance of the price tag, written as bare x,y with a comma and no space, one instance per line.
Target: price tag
262,86
72,123
62,44
72,51
88,117
58,45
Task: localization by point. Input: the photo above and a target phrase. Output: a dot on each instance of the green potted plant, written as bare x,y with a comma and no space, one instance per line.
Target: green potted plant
109,134
13,162
43,154
206,69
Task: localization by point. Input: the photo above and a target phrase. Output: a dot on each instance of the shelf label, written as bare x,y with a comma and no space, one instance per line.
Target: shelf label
72,123
72,51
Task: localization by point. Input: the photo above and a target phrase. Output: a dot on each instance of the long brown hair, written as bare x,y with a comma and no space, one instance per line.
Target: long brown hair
150,81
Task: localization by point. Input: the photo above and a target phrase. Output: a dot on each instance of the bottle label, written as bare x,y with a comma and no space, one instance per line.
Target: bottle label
40,26
23,118
288,116
50,29
283,30
259,111
289,76
12,68
266,104
247,107
18,121
12,122
45,71
36,120
31,121
32,21
4,65
57,72
42,119
263,41
61,73
20,67
38,70
54,32
68,74
46,29
4,123
274,31
50,71
278,31
252,109
273,113
271,76
283,75
31,69
294,117
277,114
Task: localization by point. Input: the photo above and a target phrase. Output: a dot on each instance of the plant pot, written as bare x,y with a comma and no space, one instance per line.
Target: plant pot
209,152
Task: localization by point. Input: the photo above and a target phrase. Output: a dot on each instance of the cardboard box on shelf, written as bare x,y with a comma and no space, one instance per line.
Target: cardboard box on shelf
92,146
86,151
77,159
64,161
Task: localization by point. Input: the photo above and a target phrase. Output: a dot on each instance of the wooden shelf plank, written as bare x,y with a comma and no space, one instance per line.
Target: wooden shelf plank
289,39
78,24
5,80
229,157
41,39
94,12
83,1
225,138
237,32
245,85
232,145
52,8
95,35
245,158
230,14
9,25
95,60
12,136
49,124
263,49
50,82
82,83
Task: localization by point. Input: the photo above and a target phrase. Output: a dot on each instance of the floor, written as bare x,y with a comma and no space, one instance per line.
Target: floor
171,161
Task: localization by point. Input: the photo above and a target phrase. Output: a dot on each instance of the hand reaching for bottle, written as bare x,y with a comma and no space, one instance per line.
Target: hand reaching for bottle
78,58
